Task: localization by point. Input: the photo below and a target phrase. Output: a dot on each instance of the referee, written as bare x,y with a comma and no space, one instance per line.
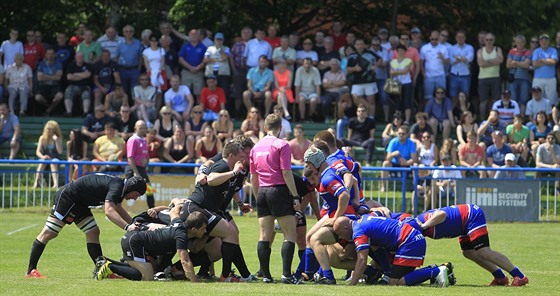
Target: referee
273,185
138,157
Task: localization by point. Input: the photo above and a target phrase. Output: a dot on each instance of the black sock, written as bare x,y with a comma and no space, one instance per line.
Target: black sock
228,250
288,249
94,250
300,253
263,252
199,259
127,272
37,249
150,200
239,261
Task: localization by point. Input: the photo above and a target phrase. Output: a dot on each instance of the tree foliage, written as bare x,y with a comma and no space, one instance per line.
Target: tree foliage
504,18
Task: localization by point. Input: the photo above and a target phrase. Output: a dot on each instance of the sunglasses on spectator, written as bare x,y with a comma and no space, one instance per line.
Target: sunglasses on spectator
444,35
489,39
166,113
125,111
223,115
439,92
197,112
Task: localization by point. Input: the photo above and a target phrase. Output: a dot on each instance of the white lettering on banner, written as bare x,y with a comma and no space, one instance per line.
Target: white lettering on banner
488,196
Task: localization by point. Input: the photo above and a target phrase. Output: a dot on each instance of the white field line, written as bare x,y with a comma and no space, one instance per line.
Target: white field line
23,228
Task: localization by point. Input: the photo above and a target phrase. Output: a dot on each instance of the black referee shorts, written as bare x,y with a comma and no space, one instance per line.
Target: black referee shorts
275,201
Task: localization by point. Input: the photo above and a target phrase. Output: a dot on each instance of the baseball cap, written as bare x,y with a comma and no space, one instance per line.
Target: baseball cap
544,36
212,76
497,133
219,35
506,92
415,30
384,31
314,156
536,89
510,156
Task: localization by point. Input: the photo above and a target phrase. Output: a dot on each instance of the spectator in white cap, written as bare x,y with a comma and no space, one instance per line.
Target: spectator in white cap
511,162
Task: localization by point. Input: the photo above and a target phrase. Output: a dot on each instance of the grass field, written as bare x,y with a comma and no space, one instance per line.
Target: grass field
532,247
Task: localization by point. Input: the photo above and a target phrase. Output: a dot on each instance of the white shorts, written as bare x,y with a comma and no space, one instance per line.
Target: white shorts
308,96
368,89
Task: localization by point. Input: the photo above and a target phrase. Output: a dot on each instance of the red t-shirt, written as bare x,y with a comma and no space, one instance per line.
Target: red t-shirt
471,156
274,42
212,100
32,54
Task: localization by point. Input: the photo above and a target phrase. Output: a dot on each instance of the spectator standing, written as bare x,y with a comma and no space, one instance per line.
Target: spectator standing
129,58
110,40
544,60
216,59
33,52
434,56
489,59
517,63
239,68
460,58
90,48
11,47
361,74
154,61
255,48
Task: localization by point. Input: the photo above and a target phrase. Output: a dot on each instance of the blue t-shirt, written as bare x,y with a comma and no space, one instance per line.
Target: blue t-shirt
49,69
9,123
545,71
259,79
438,111
539,135
194,55
406,149
129,54
498,155
376,231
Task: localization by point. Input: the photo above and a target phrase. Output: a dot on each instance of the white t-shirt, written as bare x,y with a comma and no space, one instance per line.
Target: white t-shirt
9,51
145,94
154,57
432,63
178,99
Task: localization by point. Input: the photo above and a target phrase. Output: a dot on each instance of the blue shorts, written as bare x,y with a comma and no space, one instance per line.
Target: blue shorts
412,248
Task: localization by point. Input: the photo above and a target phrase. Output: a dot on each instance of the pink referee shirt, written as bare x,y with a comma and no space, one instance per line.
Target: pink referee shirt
268,158
137,148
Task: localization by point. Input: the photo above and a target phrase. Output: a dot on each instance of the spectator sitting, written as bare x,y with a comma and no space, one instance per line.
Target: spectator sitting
308,88
259,84
286,127
253,125
495,154
418,129
445,179
154,145
2,76
427,157
105,77
507,108
548,156
334,83
283,86
76,150
536,105
212,99
114,101
511,162
471,155
519,137
207,146
391,129
361,131
164,124
49,147
125,122
110,147
466,125
448,148
298,145
175,148
223,127
540,130
49,75
401,152
10,131
179,99
19,79
144,100
94,125
440,111
488,127
78,78
194,128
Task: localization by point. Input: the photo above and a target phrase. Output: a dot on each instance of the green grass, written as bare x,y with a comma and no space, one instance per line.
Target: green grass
532,247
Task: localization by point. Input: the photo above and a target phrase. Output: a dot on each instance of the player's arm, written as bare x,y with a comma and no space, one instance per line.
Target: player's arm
117,214
289,179
244,207
437,217
343,200
187,265
216,179
201,178
361,262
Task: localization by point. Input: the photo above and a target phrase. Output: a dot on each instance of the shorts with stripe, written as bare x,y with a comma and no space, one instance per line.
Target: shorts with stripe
132,247
411,249
66,210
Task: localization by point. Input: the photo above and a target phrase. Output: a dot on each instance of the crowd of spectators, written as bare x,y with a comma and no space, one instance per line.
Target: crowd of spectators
189,88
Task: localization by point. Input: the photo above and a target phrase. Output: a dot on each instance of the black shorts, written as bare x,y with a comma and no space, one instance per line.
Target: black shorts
133,247
275,201
479,243
66,210
190,206
48,91
225,214
398,271
141,170
301,186
301,220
